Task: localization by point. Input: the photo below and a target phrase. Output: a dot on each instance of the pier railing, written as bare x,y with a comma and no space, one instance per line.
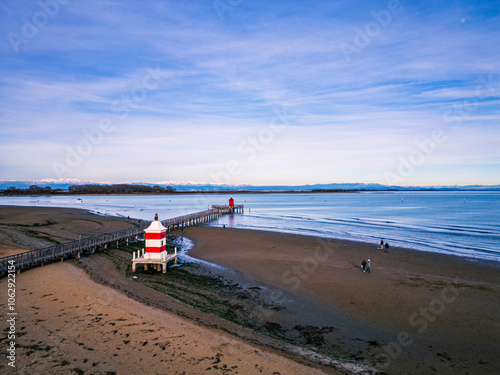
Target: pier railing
77,248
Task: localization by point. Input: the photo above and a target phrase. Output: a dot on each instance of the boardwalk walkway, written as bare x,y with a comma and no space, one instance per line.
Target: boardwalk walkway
77,248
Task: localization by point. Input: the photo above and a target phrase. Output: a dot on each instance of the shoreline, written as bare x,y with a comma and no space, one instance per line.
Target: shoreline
85,327
311,291
407,291
84,316
451,237
33,245
26,228
360,241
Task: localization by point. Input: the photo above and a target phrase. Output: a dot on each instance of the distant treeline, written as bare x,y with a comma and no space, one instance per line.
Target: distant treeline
119,189
32,190
90,189
146,189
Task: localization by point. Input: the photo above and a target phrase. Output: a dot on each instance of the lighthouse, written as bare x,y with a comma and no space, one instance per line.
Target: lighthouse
156,240
155,253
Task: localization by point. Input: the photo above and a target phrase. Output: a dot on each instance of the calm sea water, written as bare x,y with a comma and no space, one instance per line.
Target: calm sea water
461,223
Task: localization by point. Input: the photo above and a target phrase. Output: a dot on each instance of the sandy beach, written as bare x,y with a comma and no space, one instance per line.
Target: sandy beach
68,323
415,312
301,305
28,228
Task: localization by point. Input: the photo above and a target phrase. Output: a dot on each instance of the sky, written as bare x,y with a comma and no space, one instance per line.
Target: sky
251,92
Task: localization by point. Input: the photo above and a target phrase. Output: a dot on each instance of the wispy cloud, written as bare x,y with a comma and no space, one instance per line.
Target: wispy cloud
221,81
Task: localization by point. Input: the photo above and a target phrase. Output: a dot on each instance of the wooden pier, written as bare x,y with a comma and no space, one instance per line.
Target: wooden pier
239,208
84,246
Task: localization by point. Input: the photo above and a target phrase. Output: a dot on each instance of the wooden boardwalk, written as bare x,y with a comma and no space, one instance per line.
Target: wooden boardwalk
77,248
238,208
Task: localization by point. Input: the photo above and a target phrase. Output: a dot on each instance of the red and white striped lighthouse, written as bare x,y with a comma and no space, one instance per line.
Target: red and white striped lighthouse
156,240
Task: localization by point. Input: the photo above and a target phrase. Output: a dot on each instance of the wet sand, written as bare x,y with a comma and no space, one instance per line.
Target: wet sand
28,228
416,312
69,323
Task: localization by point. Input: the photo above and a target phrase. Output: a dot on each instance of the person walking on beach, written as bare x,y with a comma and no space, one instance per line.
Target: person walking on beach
381,244
386,247
363,265
368,265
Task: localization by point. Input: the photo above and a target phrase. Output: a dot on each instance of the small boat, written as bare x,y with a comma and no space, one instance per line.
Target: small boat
79,200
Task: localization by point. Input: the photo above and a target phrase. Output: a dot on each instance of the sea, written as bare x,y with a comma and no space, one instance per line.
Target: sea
463,223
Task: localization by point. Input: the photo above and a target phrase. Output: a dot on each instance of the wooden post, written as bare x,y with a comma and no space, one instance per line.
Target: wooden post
145,266
164,267
133,267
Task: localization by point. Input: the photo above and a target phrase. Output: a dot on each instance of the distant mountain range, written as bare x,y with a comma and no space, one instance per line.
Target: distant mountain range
65,183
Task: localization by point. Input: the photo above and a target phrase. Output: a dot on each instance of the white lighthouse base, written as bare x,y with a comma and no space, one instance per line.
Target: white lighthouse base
158,256
158,261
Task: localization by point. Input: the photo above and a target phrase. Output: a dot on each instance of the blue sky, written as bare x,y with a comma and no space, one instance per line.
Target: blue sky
251,92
